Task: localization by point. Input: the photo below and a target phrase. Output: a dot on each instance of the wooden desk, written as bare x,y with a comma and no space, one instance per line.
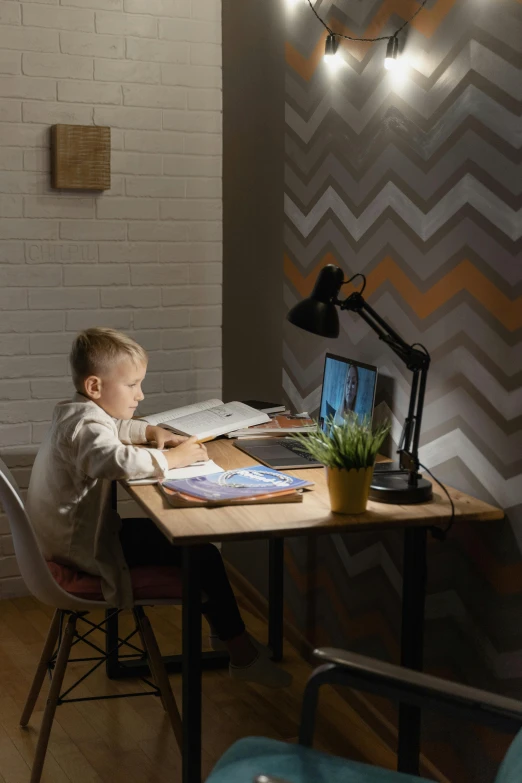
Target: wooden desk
184,527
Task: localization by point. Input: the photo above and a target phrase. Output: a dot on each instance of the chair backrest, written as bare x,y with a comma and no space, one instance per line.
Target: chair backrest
33,568
511,768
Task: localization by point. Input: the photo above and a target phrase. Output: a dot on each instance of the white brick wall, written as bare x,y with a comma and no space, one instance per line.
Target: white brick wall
146,255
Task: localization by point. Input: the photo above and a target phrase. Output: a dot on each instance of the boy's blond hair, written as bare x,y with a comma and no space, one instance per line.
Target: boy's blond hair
94,350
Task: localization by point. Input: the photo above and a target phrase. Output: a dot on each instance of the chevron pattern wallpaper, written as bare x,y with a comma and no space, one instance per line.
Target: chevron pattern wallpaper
414,179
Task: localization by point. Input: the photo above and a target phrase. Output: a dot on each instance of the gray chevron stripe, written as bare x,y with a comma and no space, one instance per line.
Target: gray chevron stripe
468,356
357,156
460,368
471,101
506,492
361,201
425,105
389,239
462,320
335,178
471,149
360,82
459,355
467,212
459,409
450,369
490,401
504,25
467,191
507,472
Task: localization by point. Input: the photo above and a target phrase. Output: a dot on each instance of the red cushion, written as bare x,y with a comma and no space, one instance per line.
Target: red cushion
147,582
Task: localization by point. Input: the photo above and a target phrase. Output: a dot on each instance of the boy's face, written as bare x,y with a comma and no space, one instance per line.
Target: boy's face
118,391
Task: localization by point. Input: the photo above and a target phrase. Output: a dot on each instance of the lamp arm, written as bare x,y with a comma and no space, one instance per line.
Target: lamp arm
412,357
415,360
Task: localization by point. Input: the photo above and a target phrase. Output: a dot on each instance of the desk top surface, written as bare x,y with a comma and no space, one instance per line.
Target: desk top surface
312,516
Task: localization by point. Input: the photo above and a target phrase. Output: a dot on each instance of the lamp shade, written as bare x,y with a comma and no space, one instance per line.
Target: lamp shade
318,313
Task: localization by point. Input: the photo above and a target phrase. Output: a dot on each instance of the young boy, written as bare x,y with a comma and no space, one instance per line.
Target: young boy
91,443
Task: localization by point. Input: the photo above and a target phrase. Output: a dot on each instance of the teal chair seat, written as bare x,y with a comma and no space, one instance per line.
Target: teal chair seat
281,762
296,764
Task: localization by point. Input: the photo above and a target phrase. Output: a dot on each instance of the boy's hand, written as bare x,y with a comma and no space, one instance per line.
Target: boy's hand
163,438
186,453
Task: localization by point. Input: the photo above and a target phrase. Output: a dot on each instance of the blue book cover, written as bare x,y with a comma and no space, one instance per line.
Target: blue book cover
239,483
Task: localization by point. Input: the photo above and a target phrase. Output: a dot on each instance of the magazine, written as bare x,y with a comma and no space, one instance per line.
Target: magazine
179,500
250,482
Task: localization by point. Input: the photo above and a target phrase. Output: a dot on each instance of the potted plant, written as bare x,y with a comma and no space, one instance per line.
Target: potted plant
348,451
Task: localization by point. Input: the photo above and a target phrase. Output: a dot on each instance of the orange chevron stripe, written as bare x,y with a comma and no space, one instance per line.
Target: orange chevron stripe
464,277
426,23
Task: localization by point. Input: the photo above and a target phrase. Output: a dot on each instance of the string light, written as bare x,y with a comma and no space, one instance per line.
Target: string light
330,47
331,56
332,41
390,61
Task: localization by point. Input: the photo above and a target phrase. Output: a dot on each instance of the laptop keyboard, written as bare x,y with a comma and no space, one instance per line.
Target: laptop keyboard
296,448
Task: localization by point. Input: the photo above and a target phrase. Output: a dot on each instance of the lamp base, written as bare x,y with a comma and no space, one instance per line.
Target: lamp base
394,488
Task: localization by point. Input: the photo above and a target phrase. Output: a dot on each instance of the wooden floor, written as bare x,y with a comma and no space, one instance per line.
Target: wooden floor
129,740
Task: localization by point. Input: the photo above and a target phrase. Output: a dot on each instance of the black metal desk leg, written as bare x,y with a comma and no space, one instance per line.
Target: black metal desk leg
412,640
191,666
276,571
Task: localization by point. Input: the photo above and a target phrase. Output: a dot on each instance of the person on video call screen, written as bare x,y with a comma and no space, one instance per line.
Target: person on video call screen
348,389
349,398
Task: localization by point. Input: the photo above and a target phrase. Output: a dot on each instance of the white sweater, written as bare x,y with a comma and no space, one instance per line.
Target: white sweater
69,492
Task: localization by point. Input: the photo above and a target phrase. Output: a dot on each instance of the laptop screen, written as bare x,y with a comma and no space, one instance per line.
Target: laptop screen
347,386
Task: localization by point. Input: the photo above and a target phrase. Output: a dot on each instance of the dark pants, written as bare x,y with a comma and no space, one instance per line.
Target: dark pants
143,544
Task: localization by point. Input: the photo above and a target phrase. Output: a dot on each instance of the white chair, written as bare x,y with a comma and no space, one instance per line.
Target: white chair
69,609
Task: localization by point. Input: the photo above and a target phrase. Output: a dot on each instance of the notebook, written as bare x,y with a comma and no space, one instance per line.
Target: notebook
348,386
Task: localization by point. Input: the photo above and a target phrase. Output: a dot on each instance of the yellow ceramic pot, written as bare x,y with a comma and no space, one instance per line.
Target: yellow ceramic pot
349,489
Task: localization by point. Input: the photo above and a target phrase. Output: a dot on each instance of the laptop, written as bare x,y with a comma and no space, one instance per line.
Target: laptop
347,386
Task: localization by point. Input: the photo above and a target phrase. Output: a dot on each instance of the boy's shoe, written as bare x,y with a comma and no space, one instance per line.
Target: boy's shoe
263,672
218,646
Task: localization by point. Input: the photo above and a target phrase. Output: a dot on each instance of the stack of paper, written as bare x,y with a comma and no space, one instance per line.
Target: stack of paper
279,425
197,469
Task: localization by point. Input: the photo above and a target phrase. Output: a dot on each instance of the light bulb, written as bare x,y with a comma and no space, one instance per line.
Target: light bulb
390,61
330,48
331,56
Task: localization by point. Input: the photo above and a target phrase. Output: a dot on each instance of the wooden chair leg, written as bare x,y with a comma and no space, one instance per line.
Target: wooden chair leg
159,672
36,687
52,700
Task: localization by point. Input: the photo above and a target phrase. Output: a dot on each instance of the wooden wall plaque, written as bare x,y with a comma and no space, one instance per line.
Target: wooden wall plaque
81,157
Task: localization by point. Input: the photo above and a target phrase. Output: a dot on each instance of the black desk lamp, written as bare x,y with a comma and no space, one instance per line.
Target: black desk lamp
318,315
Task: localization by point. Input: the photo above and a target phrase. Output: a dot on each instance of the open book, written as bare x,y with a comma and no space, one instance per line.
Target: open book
208,419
